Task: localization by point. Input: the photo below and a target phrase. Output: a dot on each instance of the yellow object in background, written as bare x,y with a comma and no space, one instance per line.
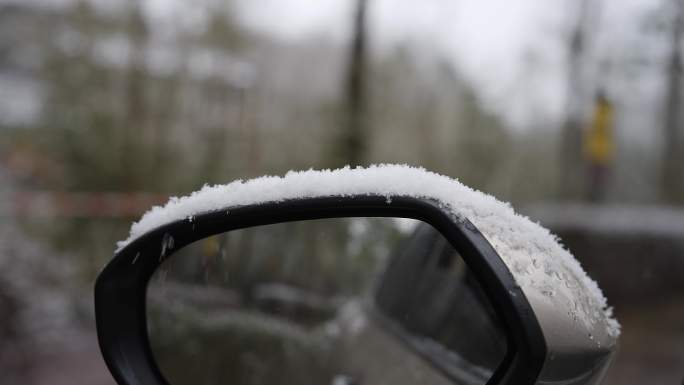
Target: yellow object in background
599,144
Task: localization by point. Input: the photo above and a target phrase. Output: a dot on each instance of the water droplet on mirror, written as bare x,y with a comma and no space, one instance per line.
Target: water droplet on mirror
573,314
167,245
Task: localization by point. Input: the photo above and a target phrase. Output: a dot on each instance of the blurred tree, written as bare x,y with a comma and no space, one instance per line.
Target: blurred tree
81,115
116,118
482,144
135,119
354,136
223,32
425,114
571,177
673,157
126,123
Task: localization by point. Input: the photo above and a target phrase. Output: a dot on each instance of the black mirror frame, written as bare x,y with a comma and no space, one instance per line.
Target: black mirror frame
120,289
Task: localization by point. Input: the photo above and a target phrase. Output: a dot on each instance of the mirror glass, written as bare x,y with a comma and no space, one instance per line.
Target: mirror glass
331,301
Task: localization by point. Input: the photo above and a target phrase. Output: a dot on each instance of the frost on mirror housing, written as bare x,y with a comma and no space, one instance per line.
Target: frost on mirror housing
557,324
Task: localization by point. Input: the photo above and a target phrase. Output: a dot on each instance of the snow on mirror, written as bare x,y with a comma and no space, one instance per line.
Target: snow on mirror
330,301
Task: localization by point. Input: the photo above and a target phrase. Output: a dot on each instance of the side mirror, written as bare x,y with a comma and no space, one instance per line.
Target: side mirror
475,293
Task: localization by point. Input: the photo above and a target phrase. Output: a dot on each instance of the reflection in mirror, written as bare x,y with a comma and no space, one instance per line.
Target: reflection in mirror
332,301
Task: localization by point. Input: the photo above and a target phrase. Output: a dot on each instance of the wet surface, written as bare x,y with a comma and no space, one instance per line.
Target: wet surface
76,362
651,346
82,366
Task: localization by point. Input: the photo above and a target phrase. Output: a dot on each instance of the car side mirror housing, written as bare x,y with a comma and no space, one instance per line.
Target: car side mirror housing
556,323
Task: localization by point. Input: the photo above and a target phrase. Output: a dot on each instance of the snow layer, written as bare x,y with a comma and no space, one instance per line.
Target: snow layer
542,267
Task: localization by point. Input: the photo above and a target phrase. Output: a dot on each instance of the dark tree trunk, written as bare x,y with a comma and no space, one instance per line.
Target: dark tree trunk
354,136
673,170
571,176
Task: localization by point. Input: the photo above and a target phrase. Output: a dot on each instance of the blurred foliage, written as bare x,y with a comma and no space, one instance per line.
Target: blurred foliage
97,125
121,124
129,108
124,127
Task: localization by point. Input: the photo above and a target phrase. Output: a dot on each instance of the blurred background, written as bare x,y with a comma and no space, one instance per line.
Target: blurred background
570,109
